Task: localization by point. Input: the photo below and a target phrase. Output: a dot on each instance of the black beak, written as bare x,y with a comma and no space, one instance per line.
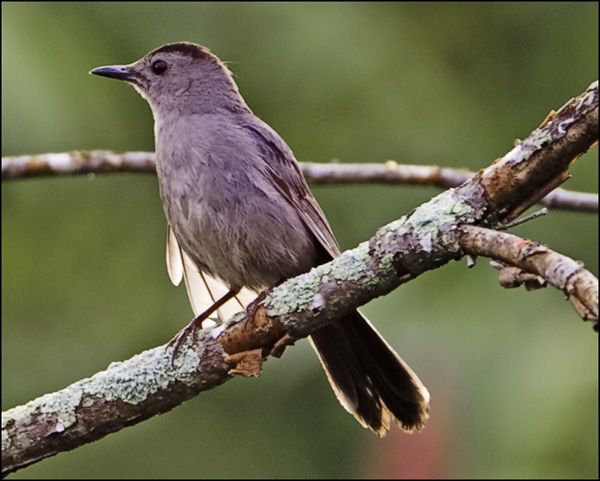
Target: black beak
119,72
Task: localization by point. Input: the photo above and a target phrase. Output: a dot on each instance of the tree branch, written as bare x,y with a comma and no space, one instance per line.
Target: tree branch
427,238
390,172
578,284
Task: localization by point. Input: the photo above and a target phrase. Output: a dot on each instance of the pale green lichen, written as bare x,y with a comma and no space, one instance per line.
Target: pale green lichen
146,373
426,229
296,294
350,266
386,261
429,217
62,404
131,381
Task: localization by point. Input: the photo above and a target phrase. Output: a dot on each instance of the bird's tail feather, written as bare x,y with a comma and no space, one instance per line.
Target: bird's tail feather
369,379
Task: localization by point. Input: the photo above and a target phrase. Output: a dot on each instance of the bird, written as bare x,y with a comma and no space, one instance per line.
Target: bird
241,219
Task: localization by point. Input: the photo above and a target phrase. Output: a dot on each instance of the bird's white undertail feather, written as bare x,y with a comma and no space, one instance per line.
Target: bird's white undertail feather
174,260
203,290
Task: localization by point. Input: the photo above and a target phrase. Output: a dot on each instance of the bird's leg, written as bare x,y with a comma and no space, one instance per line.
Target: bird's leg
255,304
196,323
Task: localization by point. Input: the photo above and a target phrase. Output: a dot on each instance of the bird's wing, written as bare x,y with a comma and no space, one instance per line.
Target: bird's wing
282,171
203,290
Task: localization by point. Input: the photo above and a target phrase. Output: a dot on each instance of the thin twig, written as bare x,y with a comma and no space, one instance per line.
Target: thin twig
390,172
579,285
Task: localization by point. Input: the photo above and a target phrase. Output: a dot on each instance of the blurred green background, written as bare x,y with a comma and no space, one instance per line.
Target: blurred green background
513,375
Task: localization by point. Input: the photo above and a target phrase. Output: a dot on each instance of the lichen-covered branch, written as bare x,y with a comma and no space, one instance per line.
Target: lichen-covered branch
427,238
124,394
540,163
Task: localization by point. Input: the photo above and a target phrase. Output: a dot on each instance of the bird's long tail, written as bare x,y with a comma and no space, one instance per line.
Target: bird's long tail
369,379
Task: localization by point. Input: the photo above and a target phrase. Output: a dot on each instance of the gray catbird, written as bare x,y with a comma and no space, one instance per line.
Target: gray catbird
241,214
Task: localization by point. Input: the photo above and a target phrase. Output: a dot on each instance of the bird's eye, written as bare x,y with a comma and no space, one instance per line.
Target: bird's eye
159,67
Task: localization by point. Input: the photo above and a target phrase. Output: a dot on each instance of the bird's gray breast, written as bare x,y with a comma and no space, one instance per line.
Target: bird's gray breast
225,213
